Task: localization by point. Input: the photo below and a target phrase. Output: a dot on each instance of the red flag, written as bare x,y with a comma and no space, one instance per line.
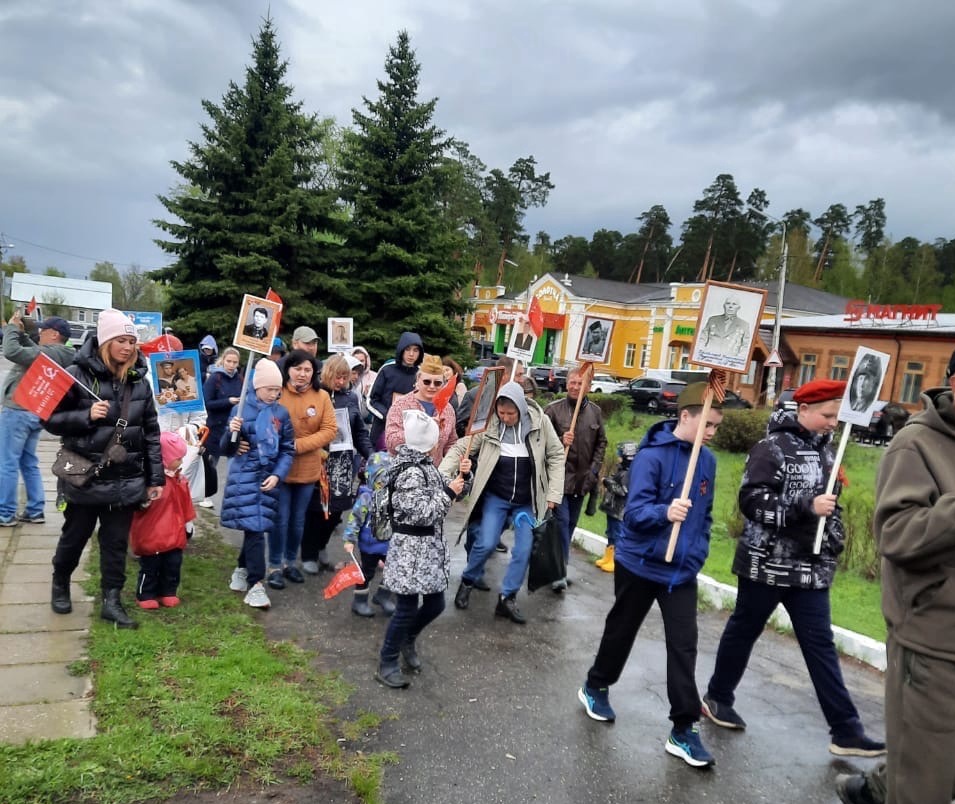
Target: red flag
164,344
272,296
42,386
31,307
349,575
536,317
443,396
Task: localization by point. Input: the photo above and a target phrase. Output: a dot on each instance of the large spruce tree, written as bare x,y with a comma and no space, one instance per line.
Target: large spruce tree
404,268
249,214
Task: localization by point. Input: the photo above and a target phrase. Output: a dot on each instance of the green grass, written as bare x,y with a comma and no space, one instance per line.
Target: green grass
856,592
196,698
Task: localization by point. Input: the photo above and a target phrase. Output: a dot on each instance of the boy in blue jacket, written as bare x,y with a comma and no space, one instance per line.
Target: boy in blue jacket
642,575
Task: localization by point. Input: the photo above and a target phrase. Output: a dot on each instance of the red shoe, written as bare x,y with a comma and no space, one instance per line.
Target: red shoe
149,605
169,602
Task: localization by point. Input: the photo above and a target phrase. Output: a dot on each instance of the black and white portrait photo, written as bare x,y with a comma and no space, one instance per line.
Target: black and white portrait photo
257,324
595,340
727,325
863,386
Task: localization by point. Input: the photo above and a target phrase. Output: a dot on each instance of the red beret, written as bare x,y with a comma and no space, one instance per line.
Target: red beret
819,391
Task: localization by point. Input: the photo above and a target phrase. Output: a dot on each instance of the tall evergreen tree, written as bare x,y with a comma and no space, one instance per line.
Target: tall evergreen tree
251,214
405,263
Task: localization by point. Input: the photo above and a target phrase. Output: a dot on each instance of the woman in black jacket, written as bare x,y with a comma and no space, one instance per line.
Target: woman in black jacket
111,366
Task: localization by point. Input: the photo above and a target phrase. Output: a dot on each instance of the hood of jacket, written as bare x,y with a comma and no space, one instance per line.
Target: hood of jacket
660,434
939,413
409,339
365,352
208,342
515,393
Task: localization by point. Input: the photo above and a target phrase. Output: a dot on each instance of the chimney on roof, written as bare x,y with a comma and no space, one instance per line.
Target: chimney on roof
567,281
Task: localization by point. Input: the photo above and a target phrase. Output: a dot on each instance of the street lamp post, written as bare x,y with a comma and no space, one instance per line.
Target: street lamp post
780,294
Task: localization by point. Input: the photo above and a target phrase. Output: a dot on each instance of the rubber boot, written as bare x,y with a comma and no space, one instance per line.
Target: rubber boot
391,676
386,600
60,600
359,605
606,563
113,611
410,654
608,551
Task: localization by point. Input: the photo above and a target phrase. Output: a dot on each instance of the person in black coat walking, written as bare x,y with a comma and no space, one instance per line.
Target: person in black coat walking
394,380
113,368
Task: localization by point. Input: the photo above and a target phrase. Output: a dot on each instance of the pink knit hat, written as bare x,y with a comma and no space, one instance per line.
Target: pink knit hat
173,447
113,324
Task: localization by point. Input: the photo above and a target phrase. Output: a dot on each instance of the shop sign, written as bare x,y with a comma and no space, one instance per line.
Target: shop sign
858,311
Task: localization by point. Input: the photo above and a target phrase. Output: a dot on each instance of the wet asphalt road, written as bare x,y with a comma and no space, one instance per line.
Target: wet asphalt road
494,718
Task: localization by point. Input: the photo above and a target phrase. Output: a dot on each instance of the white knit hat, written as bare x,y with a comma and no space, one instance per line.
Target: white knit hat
266,374
421,431
113,324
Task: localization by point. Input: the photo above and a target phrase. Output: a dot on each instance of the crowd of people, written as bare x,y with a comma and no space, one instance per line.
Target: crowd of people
311,444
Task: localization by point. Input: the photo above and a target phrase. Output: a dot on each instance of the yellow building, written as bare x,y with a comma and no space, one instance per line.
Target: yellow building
653,324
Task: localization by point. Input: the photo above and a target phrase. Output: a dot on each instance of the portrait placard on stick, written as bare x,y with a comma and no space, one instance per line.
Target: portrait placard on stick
491,382
727,325
523,340
174,380
257,325
865,383
340,334
595,340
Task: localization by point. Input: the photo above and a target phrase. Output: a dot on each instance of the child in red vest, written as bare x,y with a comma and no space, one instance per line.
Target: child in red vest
159,531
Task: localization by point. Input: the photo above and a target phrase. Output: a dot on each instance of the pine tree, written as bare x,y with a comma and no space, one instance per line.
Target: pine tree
249,215
404,256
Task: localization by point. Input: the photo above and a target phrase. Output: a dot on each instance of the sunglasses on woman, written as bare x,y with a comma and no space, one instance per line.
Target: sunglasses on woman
432,383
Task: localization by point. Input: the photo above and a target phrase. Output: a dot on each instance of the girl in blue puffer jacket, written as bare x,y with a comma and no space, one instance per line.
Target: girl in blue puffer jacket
251,499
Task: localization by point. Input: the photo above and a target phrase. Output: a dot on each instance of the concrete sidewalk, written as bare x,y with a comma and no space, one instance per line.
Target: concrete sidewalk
39,698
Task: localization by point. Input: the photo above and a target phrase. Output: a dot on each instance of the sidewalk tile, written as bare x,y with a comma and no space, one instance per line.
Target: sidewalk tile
40,683
50,646
28,617
52,721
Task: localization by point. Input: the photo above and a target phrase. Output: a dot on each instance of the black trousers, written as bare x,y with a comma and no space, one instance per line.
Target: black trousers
159,575
318,531
633,597
78,524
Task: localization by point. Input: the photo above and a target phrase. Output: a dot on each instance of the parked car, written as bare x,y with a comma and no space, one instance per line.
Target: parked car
785,400
655,396
734,401
607,384
79,333
550,378
887,418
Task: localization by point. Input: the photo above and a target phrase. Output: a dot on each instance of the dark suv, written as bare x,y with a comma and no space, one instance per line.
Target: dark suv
655,396
550,378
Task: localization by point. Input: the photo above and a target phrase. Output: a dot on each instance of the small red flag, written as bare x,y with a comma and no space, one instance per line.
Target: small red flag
272,296
349,575
536,317
42,386
164,344
443,396
31,307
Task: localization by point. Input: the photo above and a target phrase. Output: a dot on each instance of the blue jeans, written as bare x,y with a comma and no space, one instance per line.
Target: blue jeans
286,537
408,622
494,514
809,611
568,513
19,434
614,529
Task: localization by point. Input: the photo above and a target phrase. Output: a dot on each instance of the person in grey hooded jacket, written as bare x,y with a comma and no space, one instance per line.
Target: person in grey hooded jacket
519,475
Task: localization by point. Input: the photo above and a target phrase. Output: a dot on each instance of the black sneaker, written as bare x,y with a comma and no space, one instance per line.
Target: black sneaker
852,789
39,519
276,580
507,607
856,746
722,714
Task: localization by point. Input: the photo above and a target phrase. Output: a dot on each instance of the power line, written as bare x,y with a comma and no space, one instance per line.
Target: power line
79,256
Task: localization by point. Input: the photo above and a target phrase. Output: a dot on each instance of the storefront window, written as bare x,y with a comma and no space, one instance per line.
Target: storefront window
679,357
644,355
628,355
807,368
840,368
912,382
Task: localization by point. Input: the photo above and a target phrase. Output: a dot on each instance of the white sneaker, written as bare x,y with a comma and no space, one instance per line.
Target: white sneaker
311,567
257,598
207,503
240,580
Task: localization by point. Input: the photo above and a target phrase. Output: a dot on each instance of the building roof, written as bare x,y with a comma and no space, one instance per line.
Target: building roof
62,289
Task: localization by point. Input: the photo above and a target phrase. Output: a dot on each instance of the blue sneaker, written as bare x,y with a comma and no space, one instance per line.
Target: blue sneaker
687,746
597,703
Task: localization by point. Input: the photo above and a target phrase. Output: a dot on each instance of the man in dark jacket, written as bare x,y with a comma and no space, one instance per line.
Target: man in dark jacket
585,446
782,496
914,512
20,428
642,575
394,380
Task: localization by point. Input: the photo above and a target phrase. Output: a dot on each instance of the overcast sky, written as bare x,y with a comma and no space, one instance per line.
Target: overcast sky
627,104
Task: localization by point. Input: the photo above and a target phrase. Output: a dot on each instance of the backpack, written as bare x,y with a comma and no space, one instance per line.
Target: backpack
382,512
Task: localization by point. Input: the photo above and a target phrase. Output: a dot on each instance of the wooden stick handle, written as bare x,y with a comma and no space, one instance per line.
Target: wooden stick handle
691,467
580,398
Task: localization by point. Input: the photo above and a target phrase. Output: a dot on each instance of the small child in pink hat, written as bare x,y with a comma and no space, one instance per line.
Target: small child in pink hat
160,530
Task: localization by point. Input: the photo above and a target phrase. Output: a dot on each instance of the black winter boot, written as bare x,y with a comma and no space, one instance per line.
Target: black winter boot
410,655
113,611
507,607
386,600
463,596
60,600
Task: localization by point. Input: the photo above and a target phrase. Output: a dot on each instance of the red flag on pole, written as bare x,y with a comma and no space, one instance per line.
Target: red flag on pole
443,396
349,575
536,317
272,296
164,344
42,386
31,307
